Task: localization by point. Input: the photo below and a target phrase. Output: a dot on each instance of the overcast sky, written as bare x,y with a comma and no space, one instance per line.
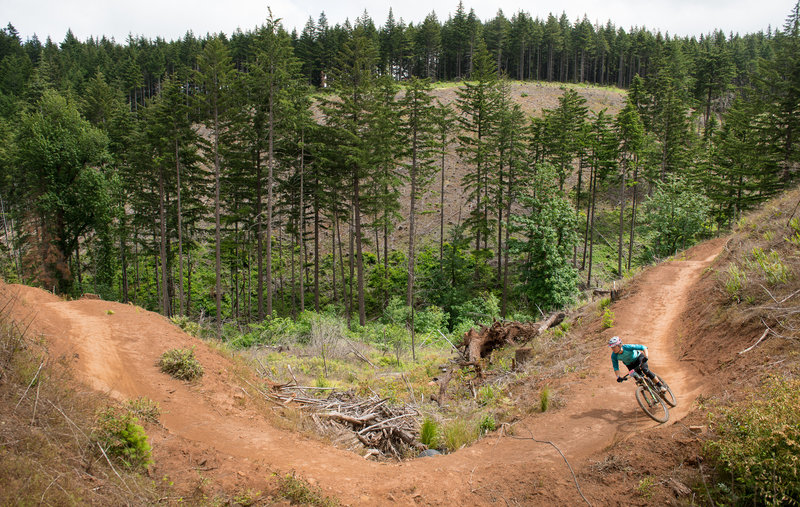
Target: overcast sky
171,19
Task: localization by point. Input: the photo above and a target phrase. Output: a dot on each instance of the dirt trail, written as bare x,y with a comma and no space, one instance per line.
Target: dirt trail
211,427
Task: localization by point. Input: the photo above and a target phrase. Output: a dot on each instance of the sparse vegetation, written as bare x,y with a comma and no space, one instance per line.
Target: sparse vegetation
300,492
181,364
758,444
144,409
645,487
735,281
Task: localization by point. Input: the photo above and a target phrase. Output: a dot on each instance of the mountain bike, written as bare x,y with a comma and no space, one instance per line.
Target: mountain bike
651,399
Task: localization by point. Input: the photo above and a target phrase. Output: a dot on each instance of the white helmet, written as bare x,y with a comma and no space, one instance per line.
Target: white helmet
614,341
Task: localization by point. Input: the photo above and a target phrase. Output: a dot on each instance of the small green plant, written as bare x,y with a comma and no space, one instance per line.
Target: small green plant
645,487
144,409
562,329
181,364
109,312
321,381
544,398
118,433
608,318
429,433
794,236
735,281
487,424
299,492
604,303
487,394
771,265
247,497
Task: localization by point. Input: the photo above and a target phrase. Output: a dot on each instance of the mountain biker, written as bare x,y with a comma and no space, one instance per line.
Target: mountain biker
634,357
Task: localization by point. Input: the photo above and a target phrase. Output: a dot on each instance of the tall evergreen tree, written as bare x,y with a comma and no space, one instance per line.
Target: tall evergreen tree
214,75
477,101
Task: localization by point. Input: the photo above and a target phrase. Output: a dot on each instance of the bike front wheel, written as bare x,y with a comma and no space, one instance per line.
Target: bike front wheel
667,395
652,404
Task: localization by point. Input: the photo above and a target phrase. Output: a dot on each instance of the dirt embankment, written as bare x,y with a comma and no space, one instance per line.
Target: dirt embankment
216,432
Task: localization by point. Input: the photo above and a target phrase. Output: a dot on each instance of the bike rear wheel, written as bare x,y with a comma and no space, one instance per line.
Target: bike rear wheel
668,395
652,404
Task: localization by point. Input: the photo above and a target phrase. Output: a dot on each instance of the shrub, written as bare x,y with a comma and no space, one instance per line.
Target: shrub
608,318
429,433
487,424
759,444
181,364
122,438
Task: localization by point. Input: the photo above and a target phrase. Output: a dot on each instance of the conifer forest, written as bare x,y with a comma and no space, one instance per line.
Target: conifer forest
251,177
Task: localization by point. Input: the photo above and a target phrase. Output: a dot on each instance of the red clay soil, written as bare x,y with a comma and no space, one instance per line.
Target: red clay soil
213,431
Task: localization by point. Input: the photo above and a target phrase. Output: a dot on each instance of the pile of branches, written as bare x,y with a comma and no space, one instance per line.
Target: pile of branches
384,430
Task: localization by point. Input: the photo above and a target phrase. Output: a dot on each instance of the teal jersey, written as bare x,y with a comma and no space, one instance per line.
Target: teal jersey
627,356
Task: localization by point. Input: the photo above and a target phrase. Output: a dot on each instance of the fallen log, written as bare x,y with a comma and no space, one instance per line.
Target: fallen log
480,343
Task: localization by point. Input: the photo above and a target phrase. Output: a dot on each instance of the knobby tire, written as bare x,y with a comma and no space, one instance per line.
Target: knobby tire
668,396
658,411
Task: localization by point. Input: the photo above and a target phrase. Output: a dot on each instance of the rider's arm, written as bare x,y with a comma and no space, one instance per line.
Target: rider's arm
615,364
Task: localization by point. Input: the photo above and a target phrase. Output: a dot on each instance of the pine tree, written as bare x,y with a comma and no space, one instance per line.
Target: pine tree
214,75
630,133
778,84
348,115
477,101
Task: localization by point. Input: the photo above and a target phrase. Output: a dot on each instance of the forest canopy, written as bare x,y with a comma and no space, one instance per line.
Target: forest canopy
263,173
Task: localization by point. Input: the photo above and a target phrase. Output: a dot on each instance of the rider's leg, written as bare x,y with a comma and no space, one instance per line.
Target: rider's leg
646,370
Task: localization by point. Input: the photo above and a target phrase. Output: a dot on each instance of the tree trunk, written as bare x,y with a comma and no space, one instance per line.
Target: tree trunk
259,237
270,175
411,221
633,212
162,217
302,226
362,315
180,234
316,247
217,225
621,216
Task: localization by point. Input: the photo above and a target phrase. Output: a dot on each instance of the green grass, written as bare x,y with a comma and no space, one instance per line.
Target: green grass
544,398
429,433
